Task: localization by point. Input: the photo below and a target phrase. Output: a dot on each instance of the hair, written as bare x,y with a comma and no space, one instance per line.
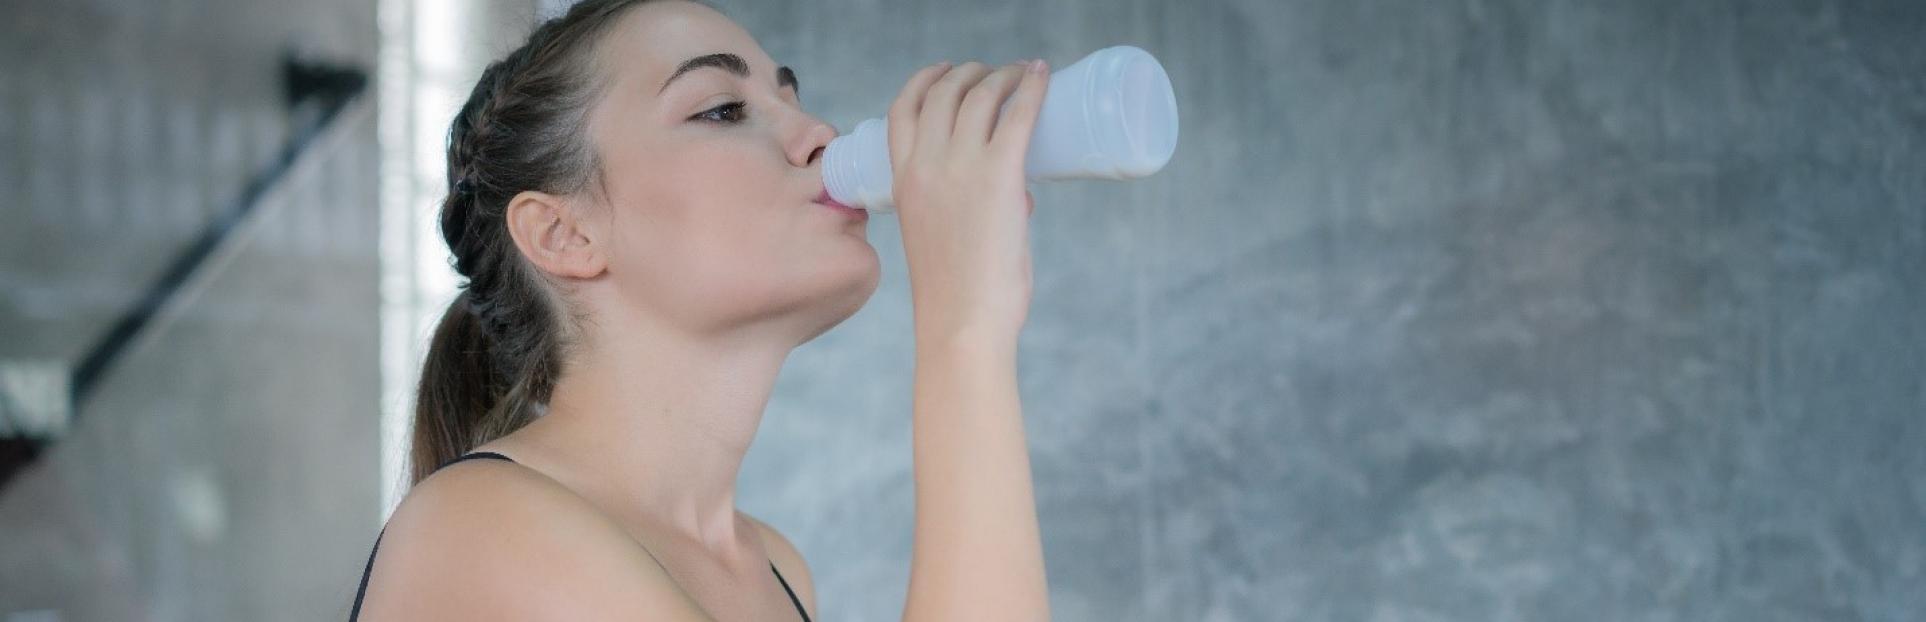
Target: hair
500,345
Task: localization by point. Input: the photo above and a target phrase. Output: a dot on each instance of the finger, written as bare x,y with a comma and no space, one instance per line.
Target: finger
938,117
980,107
1012,136
902,113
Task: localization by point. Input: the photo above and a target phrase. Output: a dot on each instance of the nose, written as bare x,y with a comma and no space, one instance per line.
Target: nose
808,148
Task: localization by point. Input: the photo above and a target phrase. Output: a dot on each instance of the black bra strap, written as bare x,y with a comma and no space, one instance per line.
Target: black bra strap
792,593
477,454
362,591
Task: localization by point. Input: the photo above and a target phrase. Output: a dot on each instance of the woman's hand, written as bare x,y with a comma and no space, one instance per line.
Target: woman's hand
977,553
960,196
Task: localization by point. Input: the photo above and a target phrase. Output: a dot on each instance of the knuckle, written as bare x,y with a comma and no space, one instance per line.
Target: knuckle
992,81
992,87
962,74
979,95
1018,76
1012,76
948,84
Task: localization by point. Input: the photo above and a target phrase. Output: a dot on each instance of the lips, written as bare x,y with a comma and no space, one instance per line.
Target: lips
826,200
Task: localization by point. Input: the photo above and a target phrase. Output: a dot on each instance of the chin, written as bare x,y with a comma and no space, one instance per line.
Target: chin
837,303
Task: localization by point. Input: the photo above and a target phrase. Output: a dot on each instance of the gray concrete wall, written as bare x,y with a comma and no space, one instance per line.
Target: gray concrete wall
1467,310
227,468
1499,310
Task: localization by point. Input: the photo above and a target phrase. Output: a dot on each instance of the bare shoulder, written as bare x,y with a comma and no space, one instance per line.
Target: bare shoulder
790,562
488,539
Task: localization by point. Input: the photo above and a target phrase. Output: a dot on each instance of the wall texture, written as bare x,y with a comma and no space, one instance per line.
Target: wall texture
1461,310
226,469
1466,310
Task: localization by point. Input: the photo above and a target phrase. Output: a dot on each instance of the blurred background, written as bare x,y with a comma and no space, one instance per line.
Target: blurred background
1462,310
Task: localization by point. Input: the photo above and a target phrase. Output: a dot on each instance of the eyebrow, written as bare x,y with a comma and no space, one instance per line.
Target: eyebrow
733,64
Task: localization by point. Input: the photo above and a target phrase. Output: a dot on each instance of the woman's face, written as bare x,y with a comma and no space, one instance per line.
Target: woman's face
711,183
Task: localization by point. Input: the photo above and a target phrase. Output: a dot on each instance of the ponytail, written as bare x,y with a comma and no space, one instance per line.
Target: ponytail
458,404
498,348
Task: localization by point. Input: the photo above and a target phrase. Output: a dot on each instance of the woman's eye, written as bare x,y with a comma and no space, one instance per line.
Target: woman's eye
726,113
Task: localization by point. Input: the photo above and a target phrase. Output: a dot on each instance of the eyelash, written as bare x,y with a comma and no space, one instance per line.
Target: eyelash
738,106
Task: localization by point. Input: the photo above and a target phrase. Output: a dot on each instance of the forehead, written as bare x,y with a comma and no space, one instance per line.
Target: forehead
654,37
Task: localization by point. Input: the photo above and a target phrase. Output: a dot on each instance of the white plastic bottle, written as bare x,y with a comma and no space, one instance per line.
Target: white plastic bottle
1111,115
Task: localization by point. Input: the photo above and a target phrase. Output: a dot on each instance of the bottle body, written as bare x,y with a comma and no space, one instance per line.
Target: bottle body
1111,115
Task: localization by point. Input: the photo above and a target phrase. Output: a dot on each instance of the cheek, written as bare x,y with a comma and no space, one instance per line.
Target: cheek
732,248
708,250
715,271
721,200
712,233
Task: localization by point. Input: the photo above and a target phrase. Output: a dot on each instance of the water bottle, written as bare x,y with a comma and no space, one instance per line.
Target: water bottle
1111,115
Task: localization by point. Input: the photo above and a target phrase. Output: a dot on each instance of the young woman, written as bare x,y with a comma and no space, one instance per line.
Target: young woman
637,206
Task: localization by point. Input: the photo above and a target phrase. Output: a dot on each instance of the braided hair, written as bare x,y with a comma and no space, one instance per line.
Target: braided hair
499,346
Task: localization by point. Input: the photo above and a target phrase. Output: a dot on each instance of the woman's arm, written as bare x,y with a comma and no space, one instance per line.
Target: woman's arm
958,173
978,554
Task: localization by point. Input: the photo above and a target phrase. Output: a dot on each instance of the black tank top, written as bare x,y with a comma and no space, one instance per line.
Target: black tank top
361,592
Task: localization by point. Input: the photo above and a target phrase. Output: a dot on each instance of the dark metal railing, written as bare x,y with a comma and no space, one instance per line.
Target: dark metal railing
316,94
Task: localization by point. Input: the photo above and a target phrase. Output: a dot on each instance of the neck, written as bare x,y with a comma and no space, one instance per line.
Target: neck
656,422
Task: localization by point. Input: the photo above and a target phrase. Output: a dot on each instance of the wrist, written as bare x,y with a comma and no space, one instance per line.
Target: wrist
965,340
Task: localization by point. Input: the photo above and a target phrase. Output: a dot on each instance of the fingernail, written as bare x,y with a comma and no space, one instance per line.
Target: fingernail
1036,66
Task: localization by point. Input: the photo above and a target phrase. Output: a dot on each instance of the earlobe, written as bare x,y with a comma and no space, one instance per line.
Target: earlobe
548,233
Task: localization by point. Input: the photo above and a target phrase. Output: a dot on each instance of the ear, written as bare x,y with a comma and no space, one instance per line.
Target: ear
548,233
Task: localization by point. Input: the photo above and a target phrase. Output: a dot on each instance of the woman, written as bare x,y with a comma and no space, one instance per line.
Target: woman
635,205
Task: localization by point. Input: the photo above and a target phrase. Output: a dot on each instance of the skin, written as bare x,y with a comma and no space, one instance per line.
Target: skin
698,264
